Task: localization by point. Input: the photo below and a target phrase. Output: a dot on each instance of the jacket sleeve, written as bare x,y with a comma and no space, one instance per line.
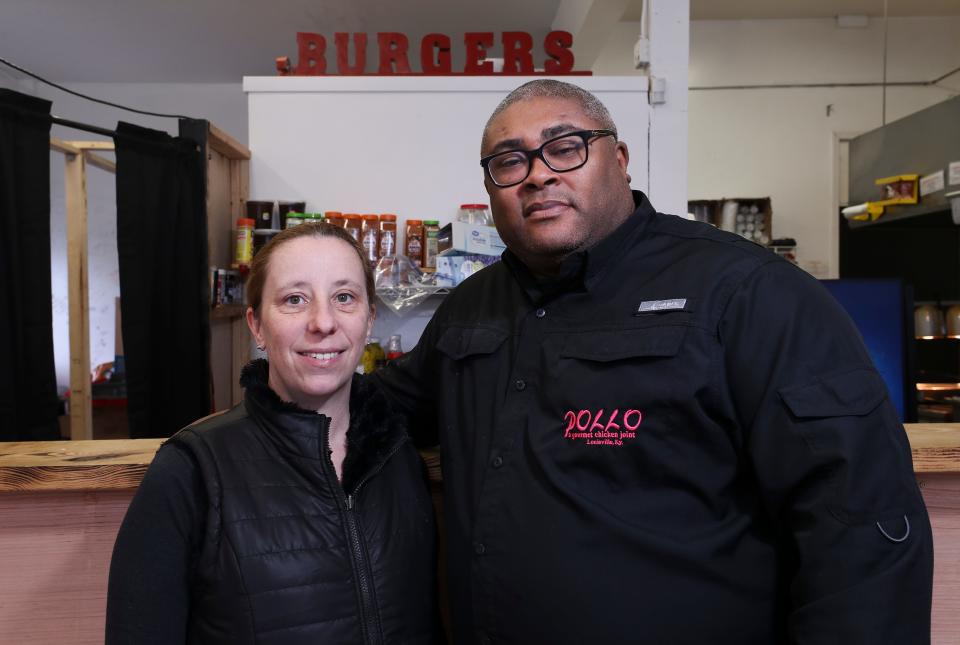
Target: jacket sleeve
409,382
149,590
832,463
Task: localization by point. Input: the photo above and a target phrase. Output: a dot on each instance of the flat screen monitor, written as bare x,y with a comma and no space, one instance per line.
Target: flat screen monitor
883,312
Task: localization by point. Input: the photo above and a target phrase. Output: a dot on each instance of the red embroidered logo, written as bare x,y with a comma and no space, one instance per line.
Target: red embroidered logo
584,425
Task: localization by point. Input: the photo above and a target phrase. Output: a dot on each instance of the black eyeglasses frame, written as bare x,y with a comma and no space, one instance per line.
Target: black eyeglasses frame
587,135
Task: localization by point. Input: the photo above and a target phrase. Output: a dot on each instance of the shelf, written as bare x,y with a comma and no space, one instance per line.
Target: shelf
899,213
227,311
393,292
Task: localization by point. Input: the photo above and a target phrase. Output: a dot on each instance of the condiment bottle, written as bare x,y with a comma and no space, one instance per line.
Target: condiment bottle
388,235
370,238
244,250
353,224
373,356
431,229
394,350
295,219
413,241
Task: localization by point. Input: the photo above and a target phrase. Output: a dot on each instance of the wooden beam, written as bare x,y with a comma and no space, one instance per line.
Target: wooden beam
62,146
226,145
81,418
101,162
93,145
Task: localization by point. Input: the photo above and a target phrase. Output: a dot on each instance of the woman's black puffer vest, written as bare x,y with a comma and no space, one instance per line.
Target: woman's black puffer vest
290,555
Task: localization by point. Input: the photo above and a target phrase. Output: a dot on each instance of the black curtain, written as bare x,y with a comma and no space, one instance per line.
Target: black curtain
164,286
28,381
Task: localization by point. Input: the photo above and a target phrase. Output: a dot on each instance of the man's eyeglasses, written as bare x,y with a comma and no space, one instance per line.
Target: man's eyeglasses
561,154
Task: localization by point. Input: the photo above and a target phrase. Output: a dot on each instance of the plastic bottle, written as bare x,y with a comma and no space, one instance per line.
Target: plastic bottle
244,250
394,349
370,238
413,243
431,229
353,224
388,235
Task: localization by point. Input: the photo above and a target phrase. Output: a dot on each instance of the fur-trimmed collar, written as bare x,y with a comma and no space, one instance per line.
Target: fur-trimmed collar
375,428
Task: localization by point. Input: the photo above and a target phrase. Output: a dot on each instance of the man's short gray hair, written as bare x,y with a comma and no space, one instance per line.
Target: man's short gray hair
551,89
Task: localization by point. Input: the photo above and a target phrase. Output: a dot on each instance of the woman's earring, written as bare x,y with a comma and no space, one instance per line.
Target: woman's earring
261,347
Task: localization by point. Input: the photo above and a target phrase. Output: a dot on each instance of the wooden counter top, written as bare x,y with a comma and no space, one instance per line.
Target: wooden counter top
120,464
98,465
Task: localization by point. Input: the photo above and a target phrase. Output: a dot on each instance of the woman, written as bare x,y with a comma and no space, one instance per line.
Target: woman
300,515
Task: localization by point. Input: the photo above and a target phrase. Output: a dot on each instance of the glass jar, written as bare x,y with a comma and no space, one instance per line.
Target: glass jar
476,214
431,231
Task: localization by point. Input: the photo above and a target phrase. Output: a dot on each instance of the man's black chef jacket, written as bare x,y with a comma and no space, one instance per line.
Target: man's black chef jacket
681,440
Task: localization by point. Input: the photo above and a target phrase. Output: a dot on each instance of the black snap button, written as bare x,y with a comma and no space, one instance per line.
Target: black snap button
521,385
479,548
497,461
541,313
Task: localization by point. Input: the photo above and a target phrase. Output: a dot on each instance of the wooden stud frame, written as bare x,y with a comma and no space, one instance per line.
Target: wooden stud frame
78,154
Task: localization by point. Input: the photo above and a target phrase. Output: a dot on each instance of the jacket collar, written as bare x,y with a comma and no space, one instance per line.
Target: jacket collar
583,269
375,428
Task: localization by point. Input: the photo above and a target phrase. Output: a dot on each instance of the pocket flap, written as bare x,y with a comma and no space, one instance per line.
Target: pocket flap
614,345
461,342
853,393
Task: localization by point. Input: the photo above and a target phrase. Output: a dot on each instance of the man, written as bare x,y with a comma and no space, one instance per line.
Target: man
653,431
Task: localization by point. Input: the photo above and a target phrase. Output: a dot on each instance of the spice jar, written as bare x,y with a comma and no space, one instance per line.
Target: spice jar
335,218
431,232
244,249
353,224
261,212
413,241
370,238
373,356
295,219
388,235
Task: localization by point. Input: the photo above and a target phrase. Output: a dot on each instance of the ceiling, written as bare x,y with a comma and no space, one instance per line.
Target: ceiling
208,41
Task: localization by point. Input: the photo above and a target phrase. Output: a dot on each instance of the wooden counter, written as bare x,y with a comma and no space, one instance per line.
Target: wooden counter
61,504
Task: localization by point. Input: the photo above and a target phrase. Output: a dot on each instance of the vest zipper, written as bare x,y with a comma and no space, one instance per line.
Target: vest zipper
373,631
369,615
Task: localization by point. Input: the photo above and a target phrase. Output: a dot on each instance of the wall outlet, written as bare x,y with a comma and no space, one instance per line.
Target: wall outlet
658,90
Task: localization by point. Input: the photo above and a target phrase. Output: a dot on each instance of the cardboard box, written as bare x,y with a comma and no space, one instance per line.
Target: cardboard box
454,267
752,217
473,238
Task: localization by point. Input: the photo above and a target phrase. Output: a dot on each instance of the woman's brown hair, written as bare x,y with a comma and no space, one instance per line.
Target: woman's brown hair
261,261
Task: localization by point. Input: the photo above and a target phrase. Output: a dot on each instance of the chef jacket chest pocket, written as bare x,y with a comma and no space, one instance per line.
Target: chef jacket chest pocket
620,368
465,343
842,419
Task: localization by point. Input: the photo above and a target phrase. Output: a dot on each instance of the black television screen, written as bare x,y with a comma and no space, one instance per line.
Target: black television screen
883,312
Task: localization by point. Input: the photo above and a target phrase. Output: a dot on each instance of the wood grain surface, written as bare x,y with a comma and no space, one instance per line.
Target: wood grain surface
75,465
941,492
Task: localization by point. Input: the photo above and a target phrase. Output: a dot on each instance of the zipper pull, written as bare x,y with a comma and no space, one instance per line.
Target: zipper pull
349,502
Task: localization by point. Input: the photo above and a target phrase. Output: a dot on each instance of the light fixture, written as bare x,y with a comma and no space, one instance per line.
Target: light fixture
927,321
953,319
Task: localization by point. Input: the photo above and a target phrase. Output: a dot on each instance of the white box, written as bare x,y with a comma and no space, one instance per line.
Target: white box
473,238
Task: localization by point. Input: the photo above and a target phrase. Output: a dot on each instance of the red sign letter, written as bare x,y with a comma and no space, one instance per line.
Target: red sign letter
477,42
359,45
393,51
312,54
441,43
557,46
516,52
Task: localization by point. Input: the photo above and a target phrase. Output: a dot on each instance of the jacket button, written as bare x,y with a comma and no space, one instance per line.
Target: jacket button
521,385
541,312
479,548
497,461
